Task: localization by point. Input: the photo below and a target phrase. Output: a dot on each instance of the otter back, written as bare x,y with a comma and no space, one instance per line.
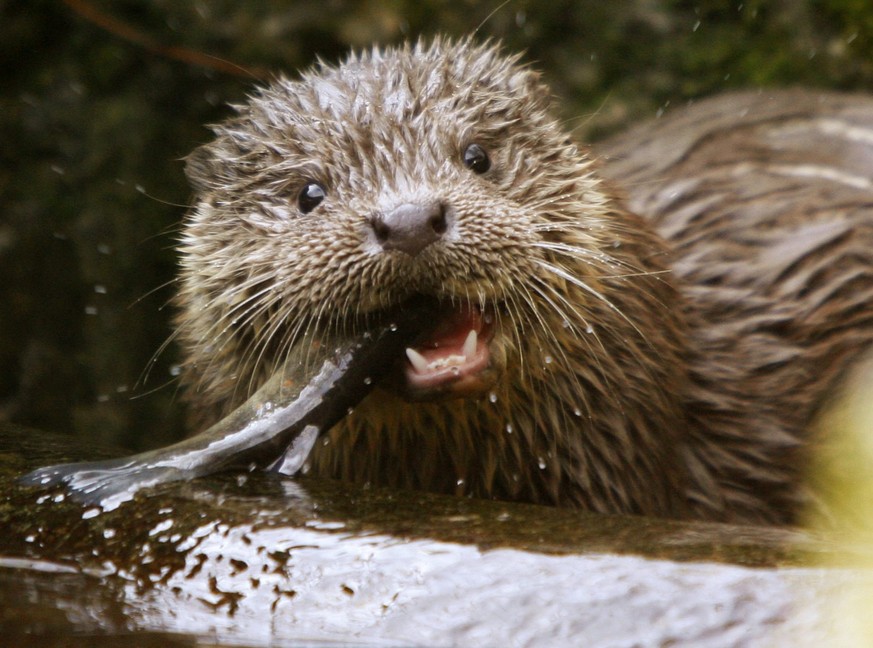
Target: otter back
766,199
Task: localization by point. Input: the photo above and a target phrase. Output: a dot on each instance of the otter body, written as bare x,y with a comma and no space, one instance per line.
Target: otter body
654,334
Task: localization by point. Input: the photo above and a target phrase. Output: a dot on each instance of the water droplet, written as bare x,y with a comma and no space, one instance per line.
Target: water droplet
368,380
577,412
589,328
509,428
100,289
176,370
393,326
566,324
460,482
90,310
492,397
350,411
541,463
548,359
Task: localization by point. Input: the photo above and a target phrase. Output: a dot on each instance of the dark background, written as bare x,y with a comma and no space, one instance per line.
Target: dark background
100,100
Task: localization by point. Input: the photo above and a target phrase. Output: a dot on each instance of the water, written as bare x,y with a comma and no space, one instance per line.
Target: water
264,560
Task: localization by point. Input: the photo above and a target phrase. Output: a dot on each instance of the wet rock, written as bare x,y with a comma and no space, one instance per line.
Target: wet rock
260,559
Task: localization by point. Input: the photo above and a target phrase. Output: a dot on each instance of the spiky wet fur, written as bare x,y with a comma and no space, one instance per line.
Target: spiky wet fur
591,408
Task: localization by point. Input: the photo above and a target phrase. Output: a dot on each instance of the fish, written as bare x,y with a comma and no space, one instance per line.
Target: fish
274,429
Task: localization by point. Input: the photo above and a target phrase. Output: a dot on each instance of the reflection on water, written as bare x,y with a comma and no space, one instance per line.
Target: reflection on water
281,586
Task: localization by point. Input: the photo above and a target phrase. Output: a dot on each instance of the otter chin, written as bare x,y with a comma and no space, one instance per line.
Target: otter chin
651,332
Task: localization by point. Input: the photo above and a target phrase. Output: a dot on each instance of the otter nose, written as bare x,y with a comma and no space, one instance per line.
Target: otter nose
410,227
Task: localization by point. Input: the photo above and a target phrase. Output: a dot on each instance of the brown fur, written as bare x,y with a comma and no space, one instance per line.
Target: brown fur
665,367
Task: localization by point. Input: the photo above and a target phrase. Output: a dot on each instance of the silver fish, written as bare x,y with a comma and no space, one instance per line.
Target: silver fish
274,429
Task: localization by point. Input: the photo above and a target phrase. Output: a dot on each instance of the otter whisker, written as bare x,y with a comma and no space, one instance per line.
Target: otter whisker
247,364
584,286
513,322
569,321
151,292
239,315
598,258
557,348
545,289
146,371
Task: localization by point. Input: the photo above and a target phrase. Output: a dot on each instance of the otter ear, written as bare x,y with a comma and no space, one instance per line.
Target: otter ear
201,168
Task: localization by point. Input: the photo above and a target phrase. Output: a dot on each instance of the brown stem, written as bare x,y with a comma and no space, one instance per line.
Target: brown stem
126,32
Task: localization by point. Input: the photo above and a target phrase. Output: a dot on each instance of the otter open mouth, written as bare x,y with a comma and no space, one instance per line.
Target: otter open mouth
454,360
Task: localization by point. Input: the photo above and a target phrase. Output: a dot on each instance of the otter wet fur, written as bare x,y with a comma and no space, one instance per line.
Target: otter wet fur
654,334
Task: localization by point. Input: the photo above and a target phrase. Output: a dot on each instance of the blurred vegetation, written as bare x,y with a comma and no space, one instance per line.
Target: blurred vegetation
100,100
843,478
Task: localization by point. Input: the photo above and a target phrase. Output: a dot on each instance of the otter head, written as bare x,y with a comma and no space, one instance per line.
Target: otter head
436,170
428,169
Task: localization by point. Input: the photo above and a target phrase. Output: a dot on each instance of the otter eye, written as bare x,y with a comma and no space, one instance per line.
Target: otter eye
310,197
476,159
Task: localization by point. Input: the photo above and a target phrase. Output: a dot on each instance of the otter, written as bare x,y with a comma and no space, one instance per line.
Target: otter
651,331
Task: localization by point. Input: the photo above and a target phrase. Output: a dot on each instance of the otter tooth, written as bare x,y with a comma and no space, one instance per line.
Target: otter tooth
418,361
470,344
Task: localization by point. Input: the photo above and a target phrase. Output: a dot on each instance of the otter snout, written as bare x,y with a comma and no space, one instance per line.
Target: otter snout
410,227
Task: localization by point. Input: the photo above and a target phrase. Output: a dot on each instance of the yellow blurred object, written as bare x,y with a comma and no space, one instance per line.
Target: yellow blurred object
843,475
